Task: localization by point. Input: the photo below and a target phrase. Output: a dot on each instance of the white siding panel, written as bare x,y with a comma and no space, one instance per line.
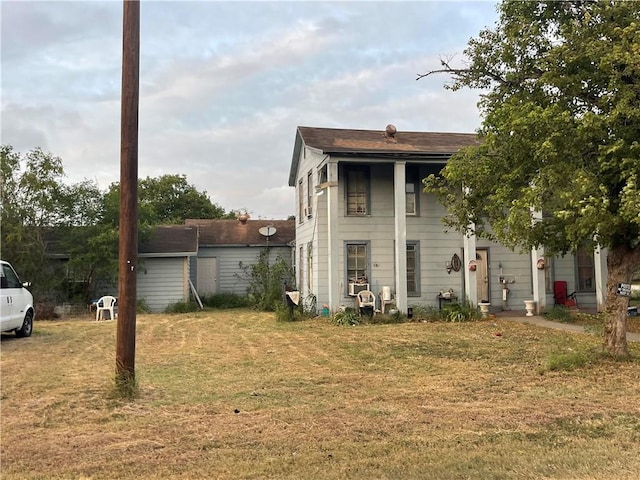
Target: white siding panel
162,281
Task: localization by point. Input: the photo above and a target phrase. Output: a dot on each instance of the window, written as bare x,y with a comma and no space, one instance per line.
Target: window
413,268
309,193
585,270
300,202
357,262
410,195
357,190
310,266
300,263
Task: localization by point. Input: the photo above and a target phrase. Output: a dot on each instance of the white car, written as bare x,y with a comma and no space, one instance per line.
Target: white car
16,308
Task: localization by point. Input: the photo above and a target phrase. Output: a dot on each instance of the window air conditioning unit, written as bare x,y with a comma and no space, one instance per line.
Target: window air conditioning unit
354,288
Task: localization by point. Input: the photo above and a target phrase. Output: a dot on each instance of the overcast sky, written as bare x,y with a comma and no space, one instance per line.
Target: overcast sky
223,85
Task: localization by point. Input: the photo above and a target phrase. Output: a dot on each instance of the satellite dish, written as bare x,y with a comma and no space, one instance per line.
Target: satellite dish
267,231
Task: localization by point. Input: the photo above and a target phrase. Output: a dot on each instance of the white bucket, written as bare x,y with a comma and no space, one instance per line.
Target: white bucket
386,293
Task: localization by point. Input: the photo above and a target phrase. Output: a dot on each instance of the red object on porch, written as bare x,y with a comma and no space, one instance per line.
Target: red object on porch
560,295
560,292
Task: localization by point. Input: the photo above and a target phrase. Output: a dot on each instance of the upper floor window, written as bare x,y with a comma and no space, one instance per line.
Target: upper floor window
585,270
300,202
357,190
410,195
309,193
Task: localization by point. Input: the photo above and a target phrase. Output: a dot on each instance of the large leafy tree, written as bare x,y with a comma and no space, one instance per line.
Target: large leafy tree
560,101
43,217
37,207
165,200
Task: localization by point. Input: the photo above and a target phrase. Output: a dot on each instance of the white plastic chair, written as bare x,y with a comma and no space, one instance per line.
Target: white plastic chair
105,303
366,300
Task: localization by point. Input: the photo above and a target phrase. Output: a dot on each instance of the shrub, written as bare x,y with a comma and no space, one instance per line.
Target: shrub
182,307
266,282
142,307
422,313
225,300
460,312
347,317
559,314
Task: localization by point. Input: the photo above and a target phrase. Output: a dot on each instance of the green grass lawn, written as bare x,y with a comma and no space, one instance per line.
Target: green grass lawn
237,395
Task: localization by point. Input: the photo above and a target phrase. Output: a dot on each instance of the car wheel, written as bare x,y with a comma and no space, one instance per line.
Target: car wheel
27,326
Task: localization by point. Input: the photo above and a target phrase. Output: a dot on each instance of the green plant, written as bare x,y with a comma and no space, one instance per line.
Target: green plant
142,307
559,314
224,300
425,313
569,360
182,307
347,317
266,281
460,312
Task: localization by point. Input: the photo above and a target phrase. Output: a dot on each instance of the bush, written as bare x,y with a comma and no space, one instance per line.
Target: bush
182,307
460,312
423,314
266,282
225,300
559,314
142,307
347,317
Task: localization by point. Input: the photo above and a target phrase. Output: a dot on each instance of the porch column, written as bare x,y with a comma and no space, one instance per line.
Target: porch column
601,272
470,278
333,276
399,196
538,281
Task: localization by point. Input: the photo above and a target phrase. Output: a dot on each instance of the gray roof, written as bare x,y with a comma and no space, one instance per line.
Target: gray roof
238,233
378,144
172,240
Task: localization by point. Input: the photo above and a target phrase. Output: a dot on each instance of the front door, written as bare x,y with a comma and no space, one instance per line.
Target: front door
482,275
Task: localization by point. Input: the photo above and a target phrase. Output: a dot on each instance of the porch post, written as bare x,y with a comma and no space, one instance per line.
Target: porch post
399,195
333,275
470,277
539,287
601,272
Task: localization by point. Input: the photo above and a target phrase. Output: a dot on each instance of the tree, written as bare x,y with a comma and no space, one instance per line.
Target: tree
165,200
560,135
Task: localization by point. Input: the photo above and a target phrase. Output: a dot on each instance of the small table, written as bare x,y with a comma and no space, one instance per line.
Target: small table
449,299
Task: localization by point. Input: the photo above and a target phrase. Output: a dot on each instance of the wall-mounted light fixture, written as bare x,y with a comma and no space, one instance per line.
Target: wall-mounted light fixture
448,266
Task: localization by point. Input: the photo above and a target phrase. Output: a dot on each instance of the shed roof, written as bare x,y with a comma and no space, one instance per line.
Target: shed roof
378,144
170,240
237,233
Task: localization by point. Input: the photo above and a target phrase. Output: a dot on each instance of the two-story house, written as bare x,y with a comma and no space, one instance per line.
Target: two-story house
363,221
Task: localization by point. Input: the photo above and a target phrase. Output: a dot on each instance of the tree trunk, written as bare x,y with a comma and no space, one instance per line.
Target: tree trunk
621,263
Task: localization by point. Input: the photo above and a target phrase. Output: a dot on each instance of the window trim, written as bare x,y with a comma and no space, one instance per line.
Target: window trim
367,187
309,209
588,254
418,290
300,202
367,271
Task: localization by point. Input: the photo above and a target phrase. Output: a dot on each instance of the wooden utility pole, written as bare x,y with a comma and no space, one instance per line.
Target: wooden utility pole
128,243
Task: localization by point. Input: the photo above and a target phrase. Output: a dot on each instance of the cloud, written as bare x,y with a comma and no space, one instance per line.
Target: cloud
223,85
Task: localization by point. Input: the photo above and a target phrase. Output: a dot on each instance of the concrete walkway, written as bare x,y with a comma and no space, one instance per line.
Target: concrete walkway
542,322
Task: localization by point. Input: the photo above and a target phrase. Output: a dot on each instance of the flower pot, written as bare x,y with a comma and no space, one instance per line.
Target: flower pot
484,309
530,306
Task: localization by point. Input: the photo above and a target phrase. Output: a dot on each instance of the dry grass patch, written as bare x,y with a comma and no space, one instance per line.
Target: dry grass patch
236,394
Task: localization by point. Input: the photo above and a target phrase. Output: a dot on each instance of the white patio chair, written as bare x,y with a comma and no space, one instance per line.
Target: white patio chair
366,301
105,303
